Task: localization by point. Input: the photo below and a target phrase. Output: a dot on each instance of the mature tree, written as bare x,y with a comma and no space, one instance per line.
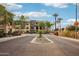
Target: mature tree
55,15
17,22
23,22
41,24
10,17
48,25
2,9
22,19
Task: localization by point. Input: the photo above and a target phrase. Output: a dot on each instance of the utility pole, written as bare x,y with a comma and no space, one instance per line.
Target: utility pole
76,21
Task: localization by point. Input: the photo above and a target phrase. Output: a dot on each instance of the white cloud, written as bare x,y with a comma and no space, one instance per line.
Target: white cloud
58,5
70,21
33,14
18,13
37,14
12,6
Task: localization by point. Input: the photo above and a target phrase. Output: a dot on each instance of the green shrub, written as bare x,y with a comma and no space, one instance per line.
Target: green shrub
40,33
2,34
16,33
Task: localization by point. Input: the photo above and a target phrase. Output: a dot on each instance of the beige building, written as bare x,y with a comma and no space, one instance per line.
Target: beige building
5,27
34,28
25,29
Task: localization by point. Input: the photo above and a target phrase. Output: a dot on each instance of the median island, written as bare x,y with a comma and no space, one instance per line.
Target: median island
41,39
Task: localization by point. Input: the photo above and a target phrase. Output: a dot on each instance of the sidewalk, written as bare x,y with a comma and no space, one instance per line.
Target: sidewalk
67,38
10,38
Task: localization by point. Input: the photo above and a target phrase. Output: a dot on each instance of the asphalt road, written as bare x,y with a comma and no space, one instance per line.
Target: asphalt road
23,47
67,46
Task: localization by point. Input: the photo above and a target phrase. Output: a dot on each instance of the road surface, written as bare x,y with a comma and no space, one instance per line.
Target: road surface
23,47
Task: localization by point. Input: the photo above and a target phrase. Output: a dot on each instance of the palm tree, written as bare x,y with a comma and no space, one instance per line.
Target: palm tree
2,9
55,15
48,25
11,16
41,25
8,21
59,20
7,18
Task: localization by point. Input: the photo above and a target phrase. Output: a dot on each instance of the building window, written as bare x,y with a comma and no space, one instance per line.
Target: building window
36,23
32,27
27,24
17,27
37,27
27,27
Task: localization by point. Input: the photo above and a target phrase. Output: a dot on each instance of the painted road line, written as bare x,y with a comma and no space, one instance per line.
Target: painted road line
34,41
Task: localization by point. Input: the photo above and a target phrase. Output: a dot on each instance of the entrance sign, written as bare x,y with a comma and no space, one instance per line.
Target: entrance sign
76,23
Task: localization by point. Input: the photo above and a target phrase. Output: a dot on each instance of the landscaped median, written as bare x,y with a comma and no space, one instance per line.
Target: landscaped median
42,40
10,38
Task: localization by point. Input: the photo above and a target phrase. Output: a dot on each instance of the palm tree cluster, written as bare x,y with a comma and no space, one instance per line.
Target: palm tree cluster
57,20
45,24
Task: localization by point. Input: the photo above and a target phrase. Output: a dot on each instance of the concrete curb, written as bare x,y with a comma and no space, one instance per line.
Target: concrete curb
10,38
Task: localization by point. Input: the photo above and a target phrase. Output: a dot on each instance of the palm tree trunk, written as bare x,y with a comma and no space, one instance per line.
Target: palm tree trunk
5,24
60,25
55,23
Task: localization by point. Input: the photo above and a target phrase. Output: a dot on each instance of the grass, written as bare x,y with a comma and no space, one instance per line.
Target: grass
70,34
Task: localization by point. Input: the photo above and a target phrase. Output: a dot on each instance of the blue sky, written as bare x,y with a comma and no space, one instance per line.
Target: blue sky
44,11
